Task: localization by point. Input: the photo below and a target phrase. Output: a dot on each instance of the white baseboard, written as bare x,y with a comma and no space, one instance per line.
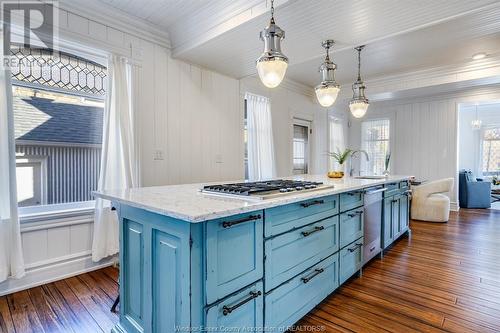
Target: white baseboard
454,207
49,273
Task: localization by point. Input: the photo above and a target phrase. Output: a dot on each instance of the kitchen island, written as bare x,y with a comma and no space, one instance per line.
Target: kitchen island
191,261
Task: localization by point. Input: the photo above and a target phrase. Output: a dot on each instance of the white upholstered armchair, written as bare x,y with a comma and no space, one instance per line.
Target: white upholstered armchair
429,201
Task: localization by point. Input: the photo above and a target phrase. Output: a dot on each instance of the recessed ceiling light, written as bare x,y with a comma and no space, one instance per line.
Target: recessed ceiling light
478,56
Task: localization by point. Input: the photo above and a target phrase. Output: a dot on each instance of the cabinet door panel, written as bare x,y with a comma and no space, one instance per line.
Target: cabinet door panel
234,254
404,213
294,299
243,310
289,254
351,226
395,217
351,200
169,282
133,273
298,214
388,234
351,260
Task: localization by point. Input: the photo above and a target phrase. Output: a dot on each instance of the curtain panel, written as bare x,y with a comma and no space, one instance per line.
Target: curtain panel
11,254
118,161
261,158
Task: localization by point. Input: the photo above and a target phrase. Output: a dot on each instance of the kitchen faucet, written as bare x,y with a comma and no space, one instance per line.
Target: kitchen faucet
351,169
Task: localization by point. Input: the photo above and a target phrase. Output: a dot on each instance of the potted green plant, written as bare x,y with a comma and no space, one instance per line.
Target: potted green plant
341,157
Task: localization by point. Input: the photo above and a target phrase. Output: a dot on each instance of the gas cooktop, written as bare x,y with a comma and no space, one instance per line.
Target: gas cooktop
263,189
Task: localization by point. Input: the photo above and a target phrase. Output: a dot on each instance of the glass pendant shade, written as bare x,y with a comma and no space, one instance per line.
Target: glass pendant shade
327,95
328,90
272,63
272,72
358,108
476,124
359,103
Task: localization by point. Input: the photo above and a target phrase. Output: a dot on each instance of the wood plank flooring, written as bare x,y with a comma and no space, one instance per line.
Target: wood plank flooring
446,278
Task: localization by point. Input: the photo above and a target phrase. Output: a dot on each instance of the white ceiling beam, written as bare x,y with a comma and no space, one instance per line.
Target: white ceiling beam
187,40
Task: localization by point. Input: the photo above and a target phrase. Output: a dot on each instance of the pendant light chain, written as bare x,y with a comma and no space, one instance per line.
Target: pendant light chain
272,11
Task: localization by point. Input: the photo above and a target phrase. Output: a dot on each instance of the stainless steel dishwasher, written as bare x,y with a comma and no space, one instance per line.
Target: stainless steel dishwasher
373,222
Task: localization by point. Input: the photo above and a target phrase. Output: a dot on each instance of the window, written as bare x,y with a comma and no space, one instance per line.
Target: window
58,105
375,141
491,150
301,147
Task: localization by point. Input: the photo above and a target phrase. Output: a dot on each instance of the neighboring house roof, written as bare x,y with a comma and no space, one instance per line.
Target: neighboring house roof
42,119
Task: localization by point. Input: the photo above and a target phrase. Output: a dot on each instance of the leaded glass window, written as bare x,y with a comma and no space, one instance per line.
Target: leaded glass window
491,150
60,70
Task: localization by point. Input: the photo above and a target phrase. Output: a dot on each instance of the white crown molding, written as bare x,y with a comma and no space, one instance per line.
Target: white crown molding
104,14
449,78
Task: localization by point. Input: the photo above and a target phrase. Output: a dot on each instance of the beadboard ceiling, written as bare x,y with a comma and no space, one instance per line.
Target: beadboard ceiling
402,35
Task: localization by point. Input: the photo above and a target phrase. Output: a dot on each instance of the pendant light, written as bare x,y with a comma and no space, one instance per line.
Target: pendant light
328,89
476,123
359,103
272,63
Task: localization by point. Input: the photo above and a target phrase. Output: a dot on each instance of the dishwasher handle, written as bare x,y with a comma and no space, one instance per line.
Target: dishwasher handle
369,192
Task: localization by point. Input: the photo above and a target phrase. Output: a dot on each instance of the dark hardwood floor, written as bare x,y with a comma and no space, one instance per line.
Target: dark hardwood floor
446,278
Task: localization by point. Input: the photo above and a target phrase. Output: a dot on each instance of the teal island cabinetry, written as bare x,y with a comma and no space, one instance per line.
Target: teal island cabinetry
193,262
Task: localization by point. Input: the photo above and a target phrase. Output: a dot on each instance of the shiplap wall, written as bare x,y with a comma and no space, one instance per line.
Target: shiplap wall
424,133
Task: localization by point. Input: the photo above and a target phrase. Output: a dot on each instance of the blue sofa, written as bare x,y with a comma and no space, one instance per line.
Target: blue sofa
472,192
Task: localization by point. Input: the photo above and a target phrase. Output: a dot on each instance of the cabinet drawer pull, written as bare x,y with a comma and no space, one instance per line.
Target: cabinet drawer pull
312,203
229,224
228,309
356,213
317,271
354,193
316,229
394,200
355,247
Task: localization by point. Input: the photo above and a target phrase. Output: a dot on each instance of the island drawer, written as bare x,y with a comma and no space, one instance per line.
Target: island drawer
404,185
294,299
351,200
289,254
392,189
244,309
234,254
350,259
295,215
351,226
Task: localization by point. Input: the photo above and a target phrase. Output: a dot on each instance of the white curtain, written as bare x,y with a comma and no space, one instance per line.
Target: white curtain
261,160
337,141
118,160
11,255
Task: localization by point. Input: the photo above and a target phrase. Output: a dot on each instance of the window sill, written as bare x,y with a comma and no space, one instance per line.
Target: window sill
56,212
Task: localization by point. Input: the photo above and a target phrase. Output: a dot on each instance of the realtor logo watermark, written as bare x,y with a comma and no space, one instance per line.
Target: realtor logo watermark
28,24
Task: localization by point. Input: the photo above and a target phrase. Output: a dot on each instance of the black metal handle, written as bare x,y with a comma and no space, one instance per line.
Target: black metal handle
317,271
354,193
358,212
395,200
352,249
316,229
226,309
312,203
113,208
228,224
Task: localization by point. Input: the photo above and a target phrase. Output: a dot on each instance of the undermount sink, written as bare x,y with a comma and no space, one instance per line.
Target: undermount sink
370,177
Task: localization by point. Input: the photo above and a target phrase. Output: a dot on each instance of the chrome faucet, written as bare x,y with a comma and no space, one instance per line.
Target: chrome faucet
351,169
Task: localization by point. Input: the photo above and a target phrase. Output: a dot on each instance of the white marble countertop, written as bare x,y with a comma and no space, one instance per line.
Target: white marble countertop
186,202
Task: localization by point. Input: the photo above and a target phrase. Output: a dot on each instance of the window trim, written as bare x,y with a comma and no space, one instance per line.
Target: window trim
56,212
389,140
481,150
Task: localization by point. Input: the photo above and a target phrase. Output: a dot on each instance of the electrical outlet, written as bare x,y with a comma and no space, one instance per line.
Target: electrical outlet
158,155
